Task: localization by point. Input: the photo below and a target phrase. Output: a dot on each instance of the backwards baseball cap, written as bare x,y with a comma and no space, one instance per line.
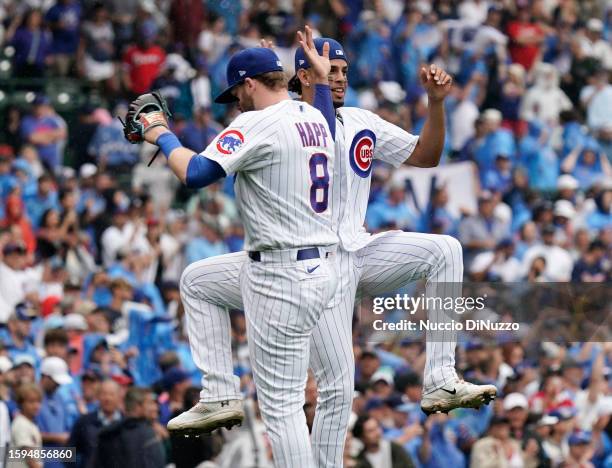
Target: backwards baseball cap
301,61
246,64
335,52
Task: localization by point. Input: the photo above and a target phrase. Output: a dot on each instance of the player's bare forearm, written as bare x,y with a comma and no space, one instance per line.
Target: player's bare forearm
178,159
437,84
431,140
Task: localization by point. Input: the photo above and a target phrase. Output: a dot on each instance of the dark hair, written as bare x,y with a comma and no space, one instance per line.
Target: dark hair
135,396
295,85
358,427
56,336
275,80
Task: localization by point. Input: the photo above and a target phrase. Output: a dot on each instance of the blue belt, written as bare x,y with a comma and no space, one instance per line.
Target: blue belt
304,254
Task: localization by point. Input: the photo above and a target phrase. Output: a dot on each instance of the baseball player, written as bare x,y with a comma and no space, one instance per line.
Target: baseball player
282,153
369,265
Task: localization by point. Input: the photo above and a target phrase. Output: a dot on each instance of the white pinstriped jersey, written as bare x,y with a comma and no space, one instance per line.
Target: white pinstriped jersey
283,157
361,136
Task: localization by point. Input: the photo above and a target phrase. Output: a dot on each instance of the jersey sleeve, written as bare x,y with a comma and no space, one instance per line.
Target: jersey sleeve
244,145
393,144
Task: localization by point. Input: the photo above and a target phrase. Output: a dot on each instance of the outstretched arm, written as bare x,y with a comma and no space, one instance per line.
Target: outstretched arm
428,151
194,170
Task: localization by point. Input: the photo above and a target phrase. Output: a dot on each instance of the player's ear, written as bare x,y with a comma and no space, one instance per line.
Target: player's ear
249,85
304,77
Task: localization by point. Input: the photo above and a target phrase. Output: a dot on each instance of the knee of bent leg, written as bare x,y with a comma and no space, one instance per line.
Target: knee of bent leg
186,281
451,252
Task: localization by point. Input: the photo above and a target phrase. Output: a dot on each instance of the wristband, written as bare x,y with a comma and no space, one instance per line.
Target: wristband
167,143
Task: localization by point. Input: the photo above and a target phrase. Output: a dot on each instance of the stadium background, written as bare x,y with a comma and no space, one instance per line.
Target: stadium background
94,242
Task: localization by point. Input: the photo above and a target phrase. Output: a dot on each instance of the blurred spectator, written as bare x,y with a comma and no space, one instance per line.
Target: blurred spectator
207,244
186,18
142,61
17,222
53,419
499,449
47,131
32,43
107,145
18,281
594,44
132,440
96,49
84,434
19,341
497,265
559,263
596,98
513,91
199,132
24,431
587,164
580,451
121,235
64,19
392,212
526,37
377,451
495,141
482,231
545,100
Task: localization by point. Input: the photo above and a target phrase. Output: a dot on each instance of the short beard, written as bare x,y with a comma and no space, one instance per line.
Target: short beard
338,104
247,105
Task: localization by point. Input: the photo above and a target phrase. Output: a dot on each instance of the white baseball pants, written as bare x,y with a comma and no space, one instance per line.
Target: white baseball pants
389,261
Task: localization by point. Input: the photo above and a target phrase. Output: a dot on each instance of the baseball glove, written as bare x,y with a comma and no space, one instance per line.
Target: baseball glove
145,112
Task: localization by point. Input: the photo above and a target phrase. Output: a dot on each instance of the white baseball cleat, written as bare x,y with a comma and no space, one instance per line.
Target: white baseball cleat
461,394
204,418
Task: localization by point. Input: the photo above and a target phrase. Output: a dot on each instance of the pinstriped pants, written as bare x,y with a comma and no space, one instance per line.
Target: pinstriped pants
389,261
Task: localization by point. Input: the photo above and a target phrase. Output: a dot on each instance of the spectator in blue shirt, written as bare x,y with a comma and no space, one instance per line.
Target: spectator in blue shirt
539,158
497,140
198,133
208,244
64,19
19,328
109,147
47,131
7,180
587,164
52,419
32,45
601,217
499,177
46,198
392,211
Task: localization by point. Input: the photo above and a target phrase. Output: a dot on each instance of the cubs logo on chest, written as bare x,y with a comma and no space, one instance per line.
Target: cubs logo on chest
362,152
229,141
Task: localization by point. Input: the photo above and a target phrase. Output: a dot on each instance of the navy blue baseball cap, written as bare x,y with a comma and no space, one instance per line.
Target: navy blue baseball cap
246,64
335,52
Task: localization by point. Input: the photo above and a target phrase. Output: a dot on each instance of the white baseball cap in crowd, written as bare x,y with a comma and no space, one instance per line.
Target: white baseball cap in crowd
75,321
515,400
5,364
567,182
595,24
564,209
57,369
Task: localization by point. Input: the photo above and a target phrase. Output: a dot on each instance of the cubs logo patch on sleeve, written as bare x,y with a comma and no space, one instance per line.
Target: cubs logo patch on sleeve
362,152
229,142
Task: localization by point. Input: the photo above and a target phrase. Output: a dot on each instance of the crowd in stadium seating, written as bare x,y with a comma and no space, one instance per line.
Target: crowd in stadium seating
93,345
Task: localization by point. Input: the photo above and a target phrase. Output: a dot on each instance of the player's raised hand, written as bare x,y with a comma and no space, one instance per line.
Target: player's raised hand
319,64
436,82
